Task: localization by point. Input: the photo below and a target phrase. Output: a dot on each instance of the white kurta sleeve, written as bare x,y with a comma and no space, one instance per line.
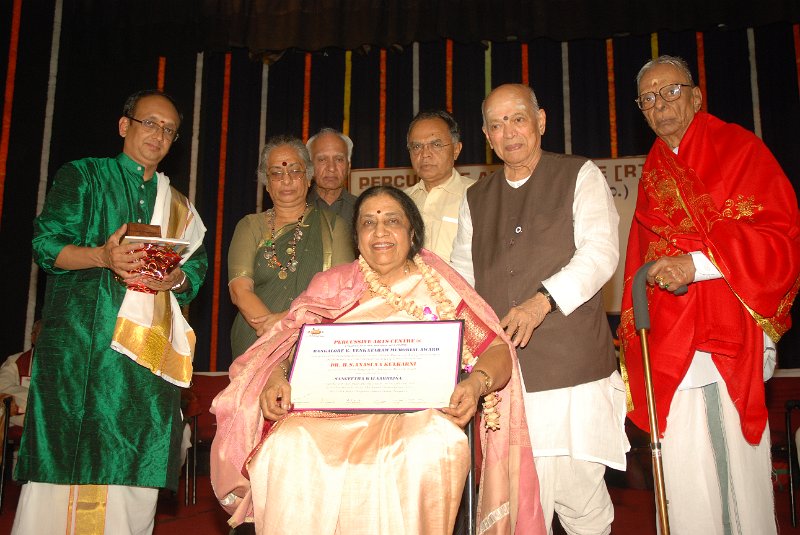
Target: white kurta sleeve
595,222
461,257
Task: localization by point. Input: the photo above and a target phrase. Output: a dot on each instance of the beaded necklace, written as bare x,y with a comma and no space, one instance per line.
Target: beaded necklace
444,307
271,255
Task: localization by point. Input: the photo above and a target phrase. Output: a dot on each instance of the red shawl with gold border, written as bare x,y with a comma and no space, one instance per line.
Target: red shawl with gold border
725,195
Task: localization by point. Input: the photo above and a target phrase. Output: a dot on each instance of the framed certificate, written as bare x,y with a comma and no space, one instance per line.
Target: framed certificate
376,367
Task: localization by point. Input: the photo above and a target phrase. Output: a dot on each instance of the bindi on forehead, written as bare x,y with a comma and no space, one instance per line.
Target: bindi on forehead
284,164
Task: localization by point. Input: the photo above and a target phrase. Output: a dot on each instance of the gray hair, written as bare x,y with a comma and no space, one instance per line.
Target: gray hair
522,87
675,61
322,132
283,141
452,125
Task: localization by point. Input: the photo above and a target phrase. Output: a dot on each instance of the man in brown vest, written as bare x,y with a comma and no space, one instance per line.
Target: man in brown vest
539,239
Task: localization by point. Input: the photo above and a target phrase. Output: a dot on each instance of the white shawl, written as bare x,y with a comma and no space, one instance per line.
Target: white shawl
150,328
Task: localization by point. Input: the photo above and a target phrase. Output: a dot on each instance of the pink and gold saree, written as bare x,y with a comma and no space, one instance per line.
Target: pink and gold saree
377,473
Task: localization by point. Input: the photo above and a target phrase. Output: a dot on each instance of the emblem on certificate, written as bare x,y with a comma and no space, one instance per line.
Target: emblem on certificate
376,367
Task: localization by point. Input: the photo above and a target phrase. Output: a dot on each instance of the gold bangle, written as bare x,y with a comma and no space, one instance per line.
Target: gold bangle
487,381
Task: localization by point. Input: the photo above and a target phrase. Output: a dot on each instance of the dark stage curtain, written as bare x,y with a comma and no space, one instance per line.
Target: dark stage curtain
109,49
269,26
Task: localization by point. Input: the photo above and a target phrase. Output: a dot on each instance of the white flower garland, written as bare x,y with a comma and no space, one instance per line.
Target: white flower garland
445,309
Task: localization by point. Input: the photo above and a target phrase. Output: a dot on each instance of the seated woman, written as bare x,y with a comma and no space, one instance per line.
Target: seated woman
325,473
274,254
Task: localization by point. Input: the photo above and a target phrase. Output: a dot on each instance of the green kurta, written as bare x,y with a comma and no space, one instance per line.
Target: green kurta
94,416
323,234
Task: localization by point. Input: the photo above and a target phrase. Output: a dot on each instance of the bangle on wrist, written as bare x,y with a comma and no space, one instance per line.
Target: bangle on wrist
487,381
553,306
285,371
176,287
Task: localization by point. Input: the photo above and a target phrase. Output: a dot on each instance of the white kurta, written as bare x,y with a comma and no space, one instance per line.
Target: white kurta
556,422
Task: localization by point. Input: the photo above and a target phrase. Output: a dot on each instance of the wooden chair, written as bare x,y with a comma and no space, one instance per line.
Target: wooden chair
205,387
12,435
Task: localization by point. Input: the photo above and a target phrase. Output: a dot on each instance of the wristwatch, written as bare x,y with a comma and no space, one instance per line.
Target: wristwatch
553,306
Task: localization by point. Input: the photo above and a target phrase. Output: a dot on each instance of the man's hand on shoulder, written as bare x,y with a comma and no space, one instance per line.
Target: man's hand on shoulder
520,322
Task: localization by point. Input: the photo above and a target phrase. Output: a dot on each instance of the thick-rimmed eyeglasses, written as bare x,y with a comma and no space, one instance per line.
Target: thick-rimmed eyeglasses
433,146
277,175
670,92
169,133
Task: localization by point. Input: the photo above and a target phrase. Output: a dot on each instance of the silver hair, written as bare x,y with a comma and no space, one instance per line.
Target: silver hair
346,139
675,61
526,88
283,141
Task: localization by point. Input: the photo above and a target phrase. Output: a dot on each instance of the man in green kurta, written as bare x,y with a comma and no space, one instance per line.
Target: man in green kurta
103,429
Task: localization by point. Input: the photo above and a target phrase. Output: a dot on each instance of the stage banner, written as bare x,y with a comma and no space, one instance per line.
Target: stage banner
622,175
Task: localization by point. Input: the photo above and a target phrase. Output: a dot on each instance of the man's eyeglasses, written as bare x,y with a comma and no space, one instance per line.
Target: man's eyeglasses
169,133
670,92
277,175
433,146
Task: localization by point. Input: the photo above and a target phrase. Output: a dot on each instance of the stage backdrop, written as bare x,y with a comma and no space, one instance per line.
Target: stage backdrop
67,67
622,174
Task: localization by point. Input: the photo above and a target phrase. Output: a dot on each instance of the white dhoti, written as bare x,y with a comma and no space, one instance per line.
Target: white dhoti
576,432
716,482
111,509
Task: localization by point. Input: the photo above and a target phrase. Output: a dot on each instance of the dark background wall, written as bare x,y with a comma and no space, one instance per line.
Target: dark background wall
106,50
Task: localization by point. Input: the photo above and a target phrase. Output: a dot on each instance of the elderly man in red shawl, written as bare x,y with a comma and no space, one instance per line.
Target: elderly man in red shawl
716,212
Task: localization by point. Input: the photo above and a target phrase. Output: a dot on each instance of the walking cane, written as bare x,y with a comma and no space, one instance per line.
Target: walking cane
641,318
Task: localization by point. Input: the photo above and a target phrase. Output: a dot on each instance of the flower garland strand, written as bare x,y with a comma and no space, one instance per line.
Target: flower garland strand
446,311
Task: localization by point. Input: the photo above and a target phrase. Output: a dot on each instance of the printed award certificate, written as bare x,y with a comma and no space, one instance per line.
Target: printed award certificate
376,367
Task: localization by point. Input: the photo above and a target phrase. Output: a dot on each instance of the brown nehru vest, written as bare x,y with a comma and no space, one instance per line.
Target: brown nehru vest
521,237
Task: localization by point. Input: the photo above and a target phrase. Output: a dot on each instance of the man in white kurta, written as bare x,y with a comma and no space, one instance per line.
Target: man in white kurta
575,418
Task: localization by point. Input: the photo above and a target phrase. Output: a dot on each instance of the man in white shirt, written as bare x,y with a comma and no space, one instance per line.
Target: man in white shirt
539,239
434,145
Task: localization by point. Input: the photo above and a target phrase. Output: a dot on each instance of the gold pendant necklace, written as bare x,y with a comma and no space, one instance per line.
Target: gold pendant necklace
271,255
